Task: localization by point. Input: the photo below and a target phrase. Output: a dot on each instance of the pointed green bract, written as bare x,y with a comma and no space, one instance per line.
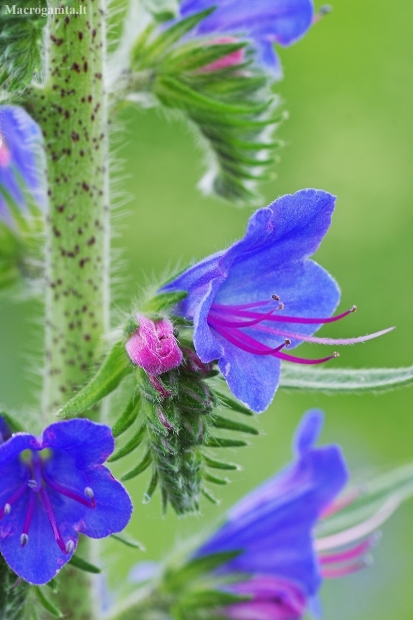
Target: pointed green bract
113,370
82,564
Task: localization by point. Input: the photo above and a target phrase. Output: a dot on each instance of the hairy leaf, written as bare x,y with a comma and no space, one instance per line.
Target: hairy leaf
345,380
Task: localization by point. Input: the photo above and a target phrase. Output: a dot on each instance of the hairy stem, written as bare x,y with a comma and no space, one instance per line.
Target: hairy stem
72,112
71,109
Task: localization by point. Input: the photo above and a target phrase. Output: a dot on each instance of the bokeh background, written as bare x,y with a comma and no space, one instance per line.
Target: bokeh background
348,87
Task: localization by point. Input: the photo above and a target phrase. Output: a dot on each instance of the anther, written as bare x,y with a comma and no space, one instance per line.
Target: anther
281,306
7,509
335,354
89,493
275,297
24,539
70,546
325,9
353,308
287,342
32,484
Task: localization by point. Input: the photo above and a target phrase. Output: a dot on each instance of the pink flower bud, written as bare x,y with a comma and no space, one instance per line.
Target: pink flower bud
236,58
153,346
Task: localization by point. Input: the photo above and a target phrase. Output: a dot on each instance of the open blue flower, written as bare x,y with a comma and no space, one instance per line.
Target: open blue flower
272,528
261,294
264,22
20,156
54,488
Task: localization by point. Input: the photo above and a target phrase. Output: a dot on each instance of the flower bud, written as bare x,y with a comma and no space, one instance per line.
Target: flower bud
153,346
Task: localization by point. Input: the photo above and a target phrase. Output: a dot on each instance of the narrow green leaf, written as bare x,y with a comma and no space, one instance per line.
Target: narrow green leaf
153,483
220,465
209,496
167,39
216,480
81,564
113,370
13,424
224,442
131,445
345,380
128,541
232,425
144,464
181,96
46,604
128,416
235,405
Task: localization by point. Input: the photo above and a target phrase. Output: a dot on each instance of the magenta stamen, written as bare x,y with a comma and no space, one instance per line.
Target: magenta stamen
342,571
348,554
28,519
302,360
52,520
326,341
89,503
229,309
341,503
260,317
234,310
246,343
16,495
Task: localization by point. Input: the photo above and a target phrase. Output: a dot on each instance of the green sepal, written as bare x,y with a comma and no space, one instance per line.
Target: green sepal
114,369
163,301
46,603
209,598
176,578
131,445
226,423
81,564
232,403
224,442
220,464
12,423
128,541
162,10
128,416
53,586
193,55
140,467
167,39
12,593
345,380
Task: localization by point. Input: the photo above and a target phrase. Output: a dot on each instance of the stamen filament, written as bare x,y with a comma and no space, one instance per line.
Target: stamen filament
358,531
52,519
13,499
28,519
326,341
341,503
246,343
89,503
349,554
282,318
342,571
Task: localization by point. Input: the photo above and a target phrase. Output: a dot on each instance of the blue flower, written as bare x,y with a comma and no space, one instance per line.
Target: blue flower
265,22
261,294
20,156
272,528
54,488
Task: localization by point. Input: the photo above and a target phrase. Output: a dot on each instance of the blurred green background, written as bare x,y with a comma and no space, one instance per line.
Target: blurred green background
348,87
